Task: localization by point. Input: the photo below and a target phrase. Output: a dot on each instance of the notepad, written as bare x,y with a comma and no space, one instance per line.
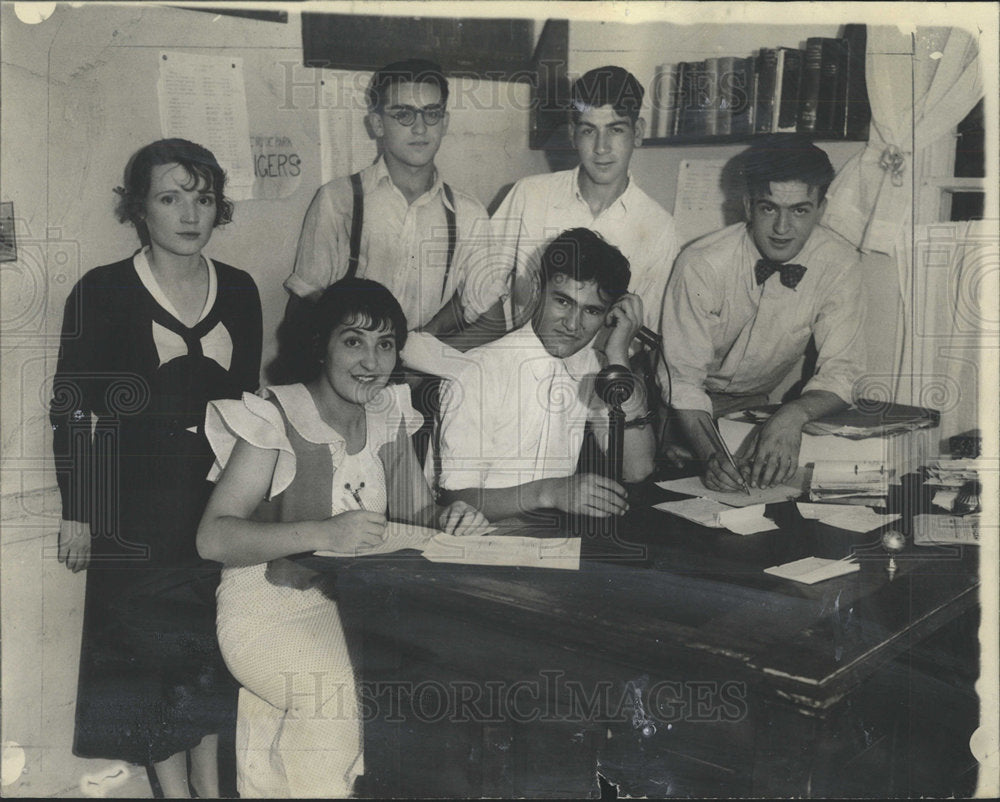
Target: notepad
708,512
934,530
810,570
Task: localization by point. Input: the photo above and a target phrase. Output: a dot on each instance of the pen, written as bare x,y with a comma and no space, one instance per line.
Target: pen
729,456
356,492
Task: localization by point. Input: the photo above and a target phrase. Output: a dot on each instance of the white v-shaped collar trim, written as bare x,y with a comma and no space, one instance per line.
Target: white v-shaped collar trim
141,263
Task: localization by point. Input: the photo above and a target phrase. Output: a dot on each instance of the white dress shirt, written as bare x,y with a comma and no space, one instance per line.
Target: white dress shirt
724,333
514,414
540,207
403,246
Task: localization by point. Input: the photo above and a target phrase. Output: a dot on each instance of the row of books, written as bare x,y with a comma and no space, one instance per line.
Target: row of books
818,90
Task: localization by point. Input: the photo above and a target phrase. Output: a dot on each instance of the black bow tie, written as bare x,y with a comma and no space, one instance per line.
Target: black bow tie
791,274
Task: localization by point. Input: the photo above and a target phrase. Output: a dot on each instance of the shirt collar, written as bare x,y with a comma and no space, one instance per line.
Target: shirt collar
381,177
573,196
578,365
300,409
141,264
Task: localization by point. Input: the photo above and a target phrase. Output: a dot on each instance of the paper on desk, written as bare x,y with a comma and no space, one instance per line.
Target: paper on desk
932,530
846,516
692,486
707,512
537,552
810,570
398,536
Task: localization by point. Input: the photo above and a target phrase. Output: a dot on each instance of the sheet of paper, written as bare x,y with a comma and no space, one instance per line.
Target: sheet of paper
202,98
859,519
702,511
535,552
815,512
692,486
398,536
699,203
810,570
746,520
931,530
715,514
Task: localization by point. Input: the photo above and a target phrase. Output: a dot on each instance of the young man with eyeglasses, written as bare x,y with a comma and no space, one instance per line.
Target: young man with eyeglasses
398,222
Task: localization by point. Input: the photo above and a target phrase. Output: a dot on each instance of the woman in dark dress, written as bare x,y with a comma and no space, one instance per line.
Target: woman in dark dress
146,343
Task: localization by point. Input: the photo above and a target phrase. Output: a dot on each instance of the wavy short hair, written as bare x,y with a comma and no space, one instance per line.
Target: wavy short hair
584,255
358,301
785,157
607,86
200,164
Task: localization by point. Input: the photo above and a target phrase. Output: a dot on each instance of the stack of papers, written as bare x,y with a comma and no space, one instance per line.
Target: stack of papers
865,483
810,570
708,512
692,486
951,476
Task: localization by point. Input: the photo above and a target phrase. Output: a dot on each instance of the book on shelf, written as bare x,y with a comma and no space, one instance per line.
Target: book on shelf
664,100
742,81
710,88
809,86
831,106
823,94
683,94
697,115
784,117
766,75
724,117
859,112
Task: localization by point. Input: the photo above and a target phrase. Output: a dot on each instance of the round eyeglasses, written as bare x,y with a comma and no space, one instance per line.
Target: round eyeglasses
407,115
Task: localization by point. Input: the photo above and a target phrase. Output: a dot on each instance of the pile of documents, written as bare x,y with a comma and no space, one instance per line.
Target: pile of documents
847,482
955,481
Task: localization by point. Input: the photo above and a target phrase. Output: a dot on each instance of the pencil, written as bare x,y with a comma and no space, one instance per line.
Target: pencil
729,457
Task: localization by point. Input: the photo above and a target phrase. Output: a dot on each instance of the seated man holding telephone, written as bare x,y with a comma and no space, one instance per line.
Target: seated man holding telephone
738,314
513,417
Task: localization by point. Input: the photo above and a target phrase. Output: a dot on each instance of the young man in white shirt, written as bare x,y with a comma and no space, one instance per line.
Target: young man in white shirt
398,222
513,417
600,194
739,313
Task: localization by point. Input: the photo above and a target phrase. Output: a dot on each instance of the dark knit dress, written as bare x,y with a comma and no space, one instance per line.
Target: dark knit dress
152,681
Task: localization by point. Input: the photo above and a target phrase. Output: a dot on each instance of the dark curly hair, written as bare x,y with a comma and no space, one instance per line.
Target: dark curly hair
304,337
585,255
201,166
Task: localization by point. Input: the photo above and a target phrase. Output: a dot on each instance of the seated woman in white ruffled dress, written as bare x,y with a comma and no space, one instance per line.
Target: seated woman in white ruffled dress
313,466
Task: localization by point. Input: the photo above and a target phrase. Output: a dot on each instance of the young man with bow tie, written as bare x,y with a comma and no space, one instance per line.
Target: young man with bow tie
742,305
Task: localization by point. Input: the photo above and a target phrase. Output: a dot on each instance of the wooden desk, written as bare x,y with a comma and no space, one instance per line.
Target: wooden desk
671,664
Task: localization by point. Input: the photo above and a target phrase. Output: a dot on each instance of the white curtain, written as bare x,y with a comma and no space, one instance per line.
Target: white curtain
920,86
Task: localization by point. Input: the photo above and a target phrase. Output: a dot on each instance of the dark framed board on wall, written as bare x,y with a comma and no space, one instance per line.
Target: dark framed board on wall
497,49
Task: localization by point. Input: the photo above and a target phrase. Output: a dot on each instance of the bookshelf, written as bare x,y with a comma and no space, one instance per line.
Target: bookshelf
815,88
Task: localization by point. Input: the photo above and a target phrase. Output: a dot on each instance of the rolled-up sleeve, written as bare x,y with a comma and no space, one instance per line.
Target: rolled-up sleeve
689,313
482,276
840,342
321,256
465,436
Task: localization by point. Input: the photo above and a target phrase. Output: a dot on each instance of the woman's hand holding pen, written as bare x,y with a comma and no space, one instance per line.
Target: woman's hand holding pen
352,532
462,519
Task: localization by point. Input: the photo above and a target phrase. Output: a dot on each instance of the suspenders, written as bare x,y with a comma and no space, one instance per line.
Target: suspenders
358,218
